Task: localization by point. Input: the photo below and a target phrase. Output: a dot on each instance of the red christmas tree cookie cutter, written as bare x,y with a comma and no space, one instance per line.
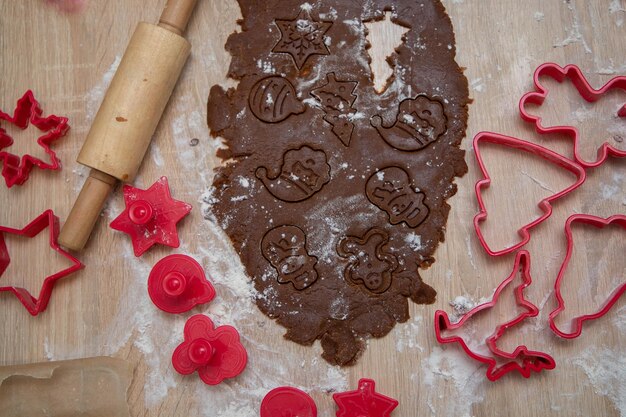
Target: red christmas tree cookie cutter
573,73
364,401
151,216
16,170
288,401
531,360
45,220
216,353
577,322
177,284
545,205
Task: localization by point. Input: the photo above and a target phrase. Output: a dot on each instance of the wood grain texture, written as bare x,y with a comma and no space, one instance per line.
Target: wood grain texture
65,58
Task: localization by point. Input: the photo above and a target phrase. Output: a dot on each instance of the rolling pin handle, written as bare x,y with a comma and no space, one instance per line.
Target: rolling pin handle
86,210
176,15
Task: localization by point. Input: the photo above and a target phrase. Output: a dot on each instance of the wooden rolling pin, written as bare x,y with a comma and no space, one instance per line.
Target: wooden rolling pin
129,115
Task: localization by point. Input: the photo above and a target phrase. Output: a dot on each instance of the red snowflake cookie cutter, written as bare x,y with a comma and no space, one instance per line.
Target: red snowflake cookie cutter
364,401
47,219
573,73
177,284
150,216
577,322
288,401
216,353
530,360
545,205
16,170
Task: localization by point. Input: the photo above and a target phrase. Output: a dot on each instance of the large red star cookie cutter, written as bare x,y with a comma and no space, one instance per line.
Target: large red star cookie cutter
151,216
288,401
364,401
577,322
530,360
177,284
16,170
574,74
216,353
545,205
49,220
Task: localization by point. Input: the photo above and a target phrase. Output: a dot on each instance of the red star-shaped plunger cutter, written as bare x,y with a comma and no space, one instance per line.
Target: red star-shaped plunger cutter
150,216
216,353
49,220
364,401
15,170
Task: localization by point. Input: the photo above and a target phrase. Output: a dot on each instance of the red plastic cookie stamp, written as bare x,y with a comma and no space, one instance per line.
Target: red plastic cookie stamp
545,205
364,401
288,401
572,73
16,170
177,284
45,220
577,322
216,353
521,359
150,216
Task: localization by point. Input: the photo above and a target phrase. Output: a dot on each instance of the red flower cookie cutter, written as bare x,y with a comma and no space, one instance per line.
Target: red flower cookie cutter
288,401
216,353
150,216
531,360
577,322
49,220
545,205
364,401
177,284
573,73
15,170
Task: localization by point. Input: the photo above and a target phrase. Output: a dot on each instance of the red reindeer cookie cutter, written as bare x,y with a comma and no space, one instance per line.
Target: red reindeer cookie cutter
49,220
16,170
545,205
530,360
573,73
216,353
577,322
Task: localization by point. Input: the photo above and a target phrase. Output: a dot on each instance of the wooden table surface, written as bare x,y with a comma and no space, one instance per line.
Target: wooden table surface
68,57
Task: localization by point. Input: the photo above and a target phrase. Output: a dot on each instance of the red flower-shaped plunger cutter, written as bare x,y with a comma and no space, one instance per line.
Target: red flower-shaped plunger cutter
150,216
216,353
177,284
288,401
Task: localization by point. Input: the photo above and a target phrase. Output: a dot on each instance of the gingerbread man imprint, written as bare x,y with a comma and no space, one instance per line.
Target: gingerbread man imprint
303,173
285,248
420,122
302,37
371,264
390,190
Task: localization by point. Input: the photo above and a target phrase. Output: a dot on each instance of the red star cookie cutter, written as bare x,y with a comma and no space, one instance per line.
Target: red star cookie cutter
16,170
577,322
177,284
288,401
49,220
545,205
150,216
364,401
216,353
530,360
573,73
